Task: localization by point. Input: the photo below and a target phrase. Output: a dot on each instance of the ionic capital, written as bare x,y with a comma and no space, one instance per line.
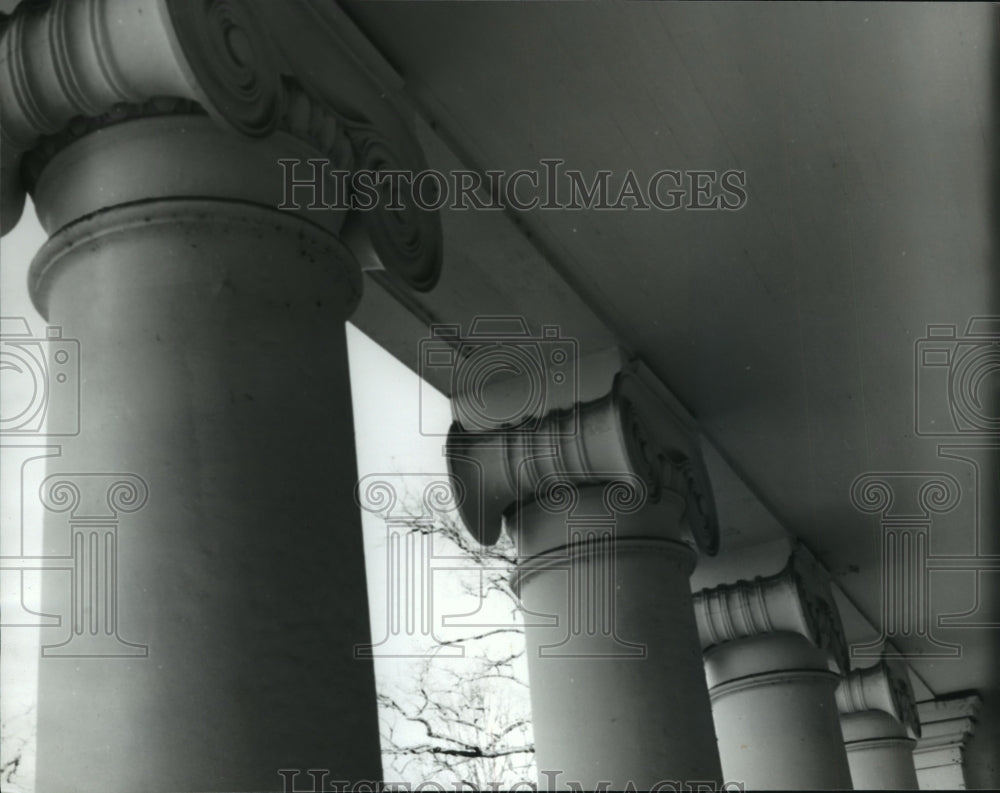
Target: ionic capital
796,600
627,436
254,66
883,687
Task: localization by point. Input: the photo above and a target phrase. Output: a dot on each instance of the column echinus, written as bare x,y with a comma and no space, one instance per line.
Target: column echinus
608,503
878,715
213,645
772,646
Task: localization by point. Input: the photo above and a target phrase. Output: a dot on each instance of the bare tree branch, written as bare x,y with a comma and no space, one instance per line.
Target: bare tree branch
465,720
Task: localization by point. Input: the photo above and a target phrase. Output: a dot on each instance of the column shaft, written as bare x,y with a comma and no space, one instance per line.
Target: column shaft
214,367
618,686
880,725
882,764
775,714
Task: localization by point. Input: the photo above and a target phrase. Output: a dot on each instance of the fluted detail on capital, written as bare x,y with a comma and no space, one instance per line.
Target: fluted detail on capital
74,58
884,687
65,60
624,435
59,61
797,600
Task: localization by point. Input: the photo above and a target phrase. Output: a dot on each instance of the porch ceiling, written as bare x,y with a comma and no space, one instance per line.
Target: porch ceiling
788,328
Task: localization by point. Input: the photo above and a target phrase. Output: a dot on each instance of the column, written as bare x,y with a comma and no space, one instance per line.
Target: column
879,718
947,725
608,504
771,648
213,368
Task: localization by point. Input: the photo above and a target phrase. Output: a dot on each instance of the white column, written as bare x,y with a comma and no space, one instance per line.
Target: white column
607,517
946,726
212,633
879,718
771,648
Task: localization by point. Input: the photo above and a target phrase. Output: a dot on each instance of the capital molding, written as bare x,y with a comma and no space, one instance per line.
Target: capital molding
883,687
628,435
254,66
798,600
947,725
323,255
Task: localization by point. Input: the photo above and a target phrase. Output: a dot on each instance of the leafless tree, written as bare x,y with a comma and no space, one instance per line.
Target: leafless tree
16,734
465,721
